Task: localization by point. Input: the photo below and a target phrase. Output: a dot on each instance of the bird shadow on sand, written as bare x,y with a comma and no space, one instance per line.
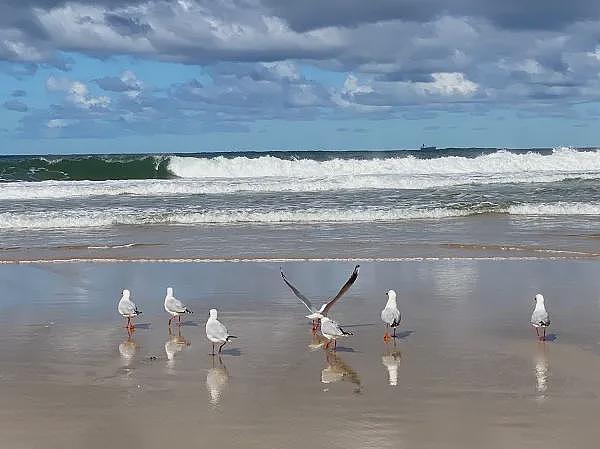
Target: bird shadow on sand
190,323
358,325
142,326
402,335
551,337
344,349
235,352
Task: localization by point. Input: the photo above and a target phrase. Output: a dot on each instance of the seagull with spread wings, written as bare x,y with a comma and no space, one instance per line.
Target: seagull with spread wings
316,314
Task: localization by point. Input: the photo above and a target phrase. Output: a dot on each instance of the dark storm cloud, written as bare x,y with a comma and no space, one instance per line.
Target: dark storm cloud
127,26
510,14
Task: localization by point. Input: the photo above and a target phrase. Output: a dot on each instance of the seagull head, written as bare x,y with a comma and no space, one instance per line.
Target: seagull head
539,299
213,313
169,291
391,295
126,294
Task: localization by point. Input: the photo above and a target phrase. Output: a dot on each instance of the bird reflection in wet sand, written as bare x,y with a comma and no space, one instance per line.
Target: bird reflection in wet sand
217,379
316,342
337,370
542,370
175,344
128,348
391,360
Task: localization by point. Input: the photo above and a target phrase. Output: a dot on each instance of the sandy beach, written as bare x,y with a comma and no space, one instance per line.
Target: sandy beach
465,372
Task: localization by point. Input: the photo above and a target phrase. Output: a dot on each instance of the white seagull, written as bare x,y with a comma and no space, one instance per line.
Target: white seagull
539,317
174,307
317,314
331,330
390,315
128,309
216,332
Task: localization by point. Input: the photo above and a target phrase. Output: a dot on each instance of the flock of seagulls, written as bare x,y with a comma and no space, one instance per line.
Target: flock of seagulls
329,329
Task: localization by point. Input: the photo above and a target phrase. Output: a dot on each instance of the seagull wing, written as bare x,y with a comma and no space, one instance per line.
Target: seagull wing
215,329
342,291
299,295
127,307
175,305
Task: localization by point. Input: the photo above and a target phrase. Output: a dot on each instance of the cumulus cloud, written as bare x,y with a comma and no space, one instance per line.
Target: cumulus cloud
394,57
77,93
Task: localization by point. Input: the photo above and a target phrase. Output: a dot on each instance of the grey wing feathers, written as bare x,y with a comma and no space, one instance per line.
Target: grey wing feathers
216,330
298,294
540,318
128,308
343,290
391,317
176,305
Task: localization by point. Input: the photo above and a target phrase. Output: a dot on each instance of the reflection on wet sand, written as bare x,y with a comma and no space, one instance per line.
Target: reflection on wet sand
175,343
337,370
128,348
217,379
391,360
541,371
316,342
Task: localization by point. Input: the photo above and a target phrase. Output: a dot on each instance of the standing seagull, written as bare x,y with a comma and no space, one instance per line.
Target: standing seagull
331,330
317,314
539,317
128,309
390,315
216,332
174,307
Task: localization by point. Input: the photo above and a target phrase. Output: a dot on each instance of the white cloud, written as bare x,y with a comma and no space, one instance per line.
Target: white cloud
77,93
448,84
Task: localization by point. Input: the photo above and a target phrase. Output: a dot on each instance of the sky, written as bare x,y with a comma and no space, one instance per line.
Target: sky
129,76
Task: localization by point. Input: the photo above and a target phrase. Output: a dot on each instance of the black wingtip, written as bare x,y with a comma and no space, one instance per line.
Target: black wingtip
188,310
231,336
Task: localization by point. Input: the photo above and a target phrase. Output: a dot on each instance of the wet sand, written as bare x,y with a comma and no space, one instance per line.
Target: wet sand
465,372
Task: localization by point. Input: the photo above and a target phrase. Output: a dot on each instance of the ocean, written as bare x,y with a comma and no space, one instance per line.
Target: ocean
303,204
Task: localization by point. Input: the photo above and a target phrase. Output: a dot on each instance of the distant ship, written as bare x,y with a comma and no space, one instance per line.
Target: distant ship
423,147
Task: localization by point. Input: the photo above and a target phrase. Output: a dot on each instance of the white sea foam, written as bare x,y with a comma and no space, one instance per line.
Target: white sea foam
561,208
271,174
83,219
562,160
101,218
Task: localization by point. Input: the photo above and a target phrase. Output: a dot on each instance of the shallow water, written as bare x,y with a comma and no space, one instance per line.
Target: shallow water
467,369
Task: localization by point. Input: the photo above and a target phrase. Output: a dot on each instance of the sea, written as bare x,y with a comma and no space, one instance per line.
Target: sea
301,205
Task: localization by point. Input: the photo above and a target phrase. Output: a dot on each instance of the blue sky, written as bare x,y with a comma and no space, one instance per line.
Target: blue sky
195,75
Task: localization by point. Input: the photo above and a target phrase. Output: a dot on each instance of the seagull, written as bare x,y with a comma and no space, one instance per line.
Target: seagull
331,330
317,314
174,307
390,315
216,332
539,317
128,309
